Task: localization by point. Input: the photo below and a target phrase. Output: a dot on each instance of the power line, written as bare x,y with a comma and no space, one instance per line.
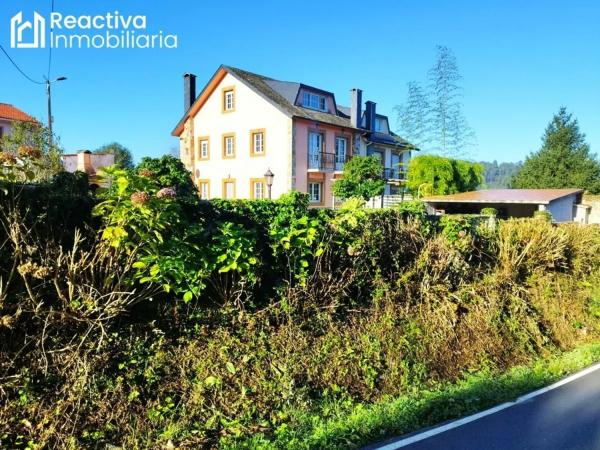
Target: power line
18,68
50,48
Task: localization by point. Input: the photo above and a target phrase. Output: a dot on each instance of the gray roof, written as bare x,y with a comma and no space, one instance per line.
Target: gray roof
283,94
345,110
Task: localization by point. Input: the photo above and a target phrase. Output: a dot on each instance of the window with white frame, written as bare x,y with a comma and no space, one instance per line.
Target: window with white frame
204,190
229,146
314,192
204,149
258,142
314,101
341,145
229,100
258,190
315,149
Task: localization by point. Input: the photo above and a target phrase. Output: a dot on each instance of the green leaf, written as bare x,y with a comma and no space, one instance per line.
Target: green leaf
212,381
230,367
187,297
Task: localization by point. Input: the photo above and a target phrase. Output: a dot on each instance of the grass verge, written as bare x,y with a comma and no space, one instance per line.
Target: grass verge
357,425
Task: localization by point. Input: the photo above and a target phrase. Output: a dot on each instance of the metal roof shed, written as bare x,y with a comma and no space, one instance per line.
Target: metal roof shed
561,203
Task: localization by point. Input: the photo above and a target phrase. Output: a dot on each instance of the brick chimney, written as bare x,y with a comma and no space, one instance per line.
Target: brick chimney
84,162
356,107
189,90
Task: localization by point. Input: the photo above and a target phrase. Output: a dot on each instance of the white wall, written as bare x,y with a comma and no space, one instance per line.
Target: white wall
251,112
6,126
562,209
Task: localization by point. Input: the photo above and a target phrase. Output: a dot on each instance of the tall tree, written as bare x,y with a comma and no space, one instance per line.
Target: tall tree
122,154
564,161
436,175
450,135
413,116
499,175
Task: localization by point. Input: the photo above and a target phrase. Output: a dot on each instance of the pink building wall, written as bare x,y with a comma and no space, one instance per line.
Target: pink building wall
301,129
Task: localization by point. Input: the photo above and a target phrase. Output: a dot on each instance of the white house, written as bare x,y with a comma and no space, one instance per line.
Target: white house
243,124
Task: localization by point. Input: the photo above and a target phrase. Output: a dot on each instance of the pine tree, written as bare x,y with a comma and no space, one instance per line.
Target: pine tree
564,161
413,116
450,134
432,117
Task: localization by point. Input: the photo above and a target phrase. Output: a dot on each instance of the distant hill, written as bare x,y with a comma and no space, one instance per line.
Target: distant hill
498,175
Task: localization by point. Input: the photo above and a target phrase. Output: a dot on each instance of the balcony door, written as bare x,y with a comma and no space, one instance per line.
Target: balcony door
341,145
395,166
315,150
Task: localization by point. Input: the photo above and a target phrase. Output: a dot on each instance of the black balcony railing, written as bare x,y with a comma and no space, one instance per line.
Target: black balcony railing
327,162
394,174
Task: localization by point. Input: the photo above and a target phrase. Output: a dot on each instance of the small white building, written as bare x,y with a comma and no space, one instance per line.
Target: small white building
564,204
87,162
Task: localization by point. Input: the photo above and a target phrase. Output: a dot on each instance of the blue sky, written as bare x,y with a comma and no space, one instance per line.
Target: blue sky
520,60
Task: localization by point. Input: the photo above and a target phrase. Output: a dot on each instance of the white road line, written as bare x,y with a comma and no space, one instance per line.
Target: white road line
459,422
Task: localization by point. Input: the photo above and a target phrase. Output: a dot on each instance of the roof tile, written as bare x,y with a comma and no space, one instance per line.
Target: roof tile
11,113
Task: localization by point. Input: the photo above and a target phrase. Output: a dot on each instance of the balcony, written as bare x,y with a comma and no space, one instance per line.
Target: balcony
394,174
326,162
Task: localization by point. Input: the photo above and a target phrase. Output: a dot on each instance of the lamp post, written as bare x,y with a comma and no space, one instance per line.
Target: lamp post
49,94
269,180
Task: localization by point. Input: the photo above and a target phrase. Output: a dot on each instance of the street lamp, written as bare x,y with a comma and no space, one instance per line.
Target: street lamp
269,179
49,94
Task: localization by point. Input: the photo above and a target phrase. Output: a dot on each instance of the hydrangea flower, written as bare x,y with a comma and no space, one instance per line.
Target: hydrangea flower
166,193
27,151
146,173
140,198
7,158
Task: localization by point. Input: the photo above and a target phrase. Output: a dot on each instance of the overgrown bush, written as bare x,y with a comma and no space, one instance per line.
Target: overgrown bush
198,325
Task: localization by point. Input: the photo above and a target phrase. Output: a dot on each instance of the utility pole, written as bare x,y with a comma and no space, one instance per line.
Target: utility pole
50,119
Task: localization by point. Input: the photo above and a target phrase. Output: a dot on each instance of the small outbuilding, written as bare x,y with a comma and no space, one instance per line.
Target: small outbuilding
564,204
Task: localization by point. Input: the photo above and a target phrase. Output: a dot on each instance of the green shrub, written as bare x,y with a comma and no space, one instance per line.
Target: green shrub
543,215
414,208
489,212
208,324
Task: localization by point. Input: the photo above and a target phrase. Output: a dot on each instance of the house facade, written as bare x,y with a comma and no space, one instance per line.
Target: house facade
9,114
242,124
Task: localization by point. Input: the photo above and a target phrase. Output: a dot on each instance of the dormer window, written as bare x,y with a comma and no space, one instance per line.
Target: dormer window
314,101
381,125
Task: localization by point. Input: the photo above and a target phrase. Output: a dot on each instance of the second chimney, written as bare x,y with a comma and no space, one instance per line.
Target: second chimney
84,162
370,114
356,108
189,90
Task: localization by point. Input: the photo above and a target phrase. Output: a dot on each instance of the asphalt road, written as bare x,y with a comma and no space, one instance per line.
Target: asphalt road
564,418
